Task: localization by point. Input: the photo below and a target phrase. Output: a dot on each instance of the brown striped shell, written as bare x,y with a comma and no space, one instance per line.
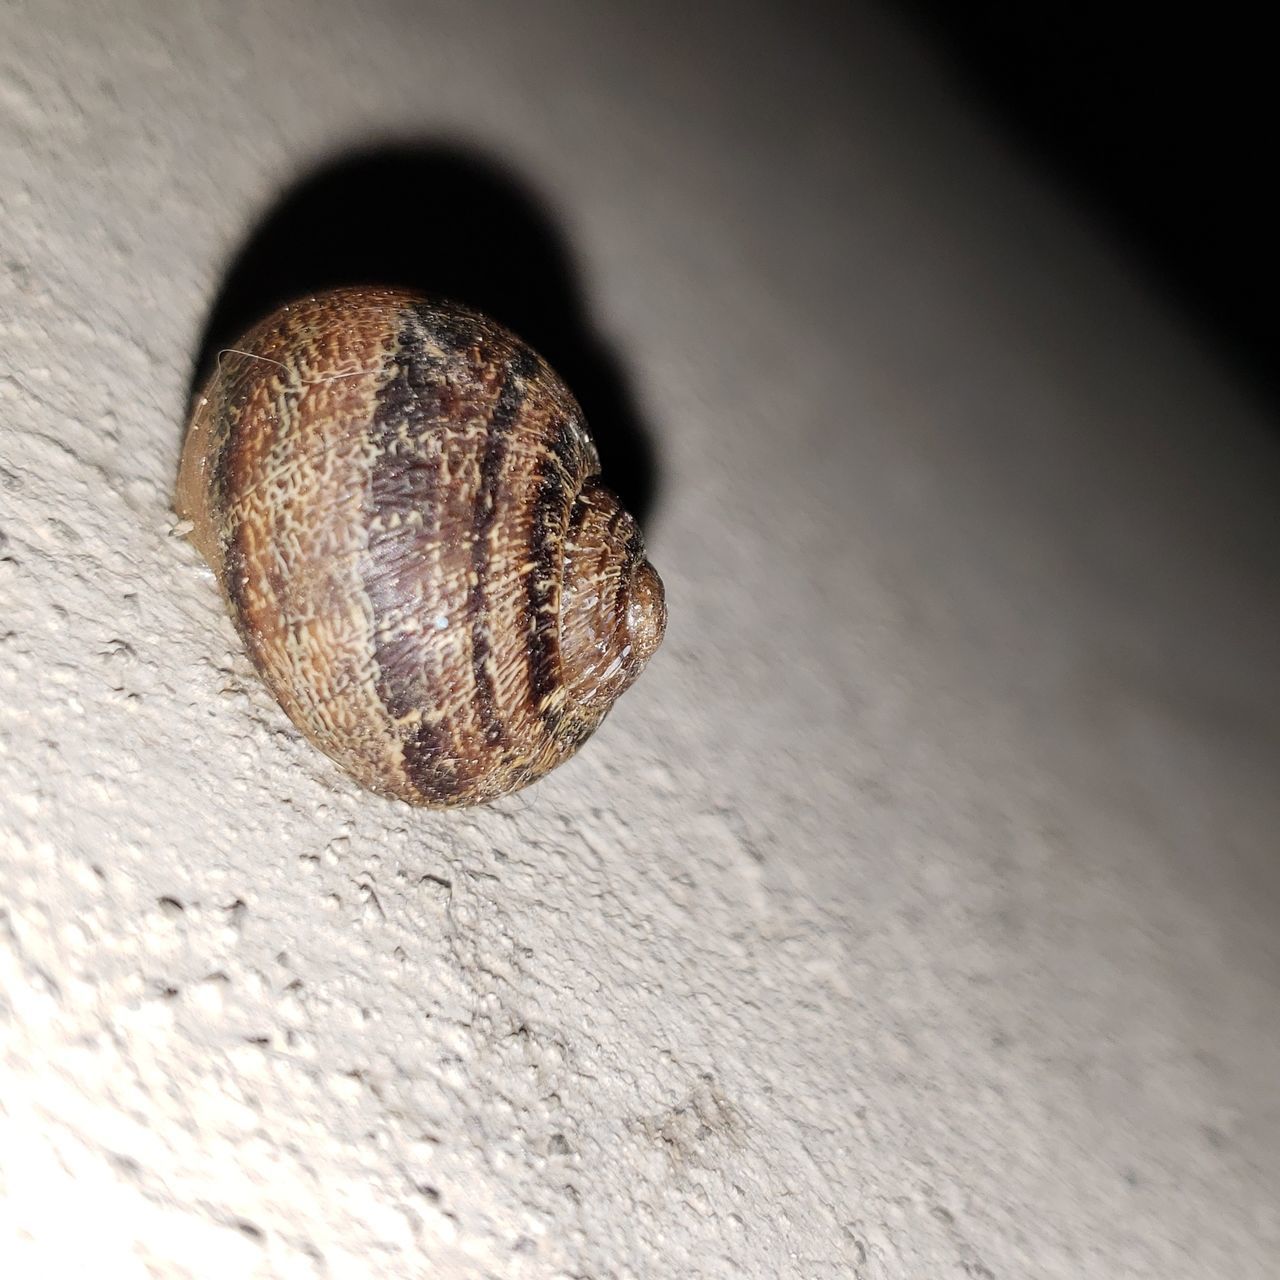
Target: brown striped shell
399,500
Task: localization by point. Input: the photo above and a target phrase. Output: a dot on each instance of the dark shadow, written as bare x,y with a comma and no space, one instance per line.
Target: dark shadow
450,222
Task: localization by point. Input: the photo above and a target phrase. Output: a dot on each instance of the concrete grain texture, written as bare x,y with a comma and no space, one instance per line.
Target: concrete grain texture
915,914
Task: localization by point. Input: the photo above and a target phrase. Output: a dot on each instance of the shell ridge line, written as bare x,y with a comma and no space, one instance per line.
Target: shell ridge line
504,417
551,520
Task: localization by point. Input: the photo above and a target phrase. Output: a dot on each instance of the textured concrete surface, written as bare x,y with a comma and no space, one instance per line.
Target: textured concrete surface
915,914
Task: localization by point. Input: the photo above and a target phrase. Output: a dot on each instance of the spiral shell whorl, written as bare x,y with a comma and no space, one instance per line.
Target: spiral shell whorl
390,491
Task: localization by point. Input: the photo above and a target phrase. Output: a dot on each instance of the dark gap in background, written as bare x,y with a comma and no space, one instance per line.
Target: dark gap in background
1163,121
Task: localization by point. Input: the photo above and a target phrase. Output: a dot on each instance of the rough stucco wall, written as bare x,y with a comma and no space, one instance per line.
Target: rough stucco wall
914,915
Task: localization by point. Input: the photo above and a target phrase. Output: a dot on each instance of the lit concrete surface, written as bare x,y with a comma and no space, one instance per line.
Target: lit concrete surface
915,915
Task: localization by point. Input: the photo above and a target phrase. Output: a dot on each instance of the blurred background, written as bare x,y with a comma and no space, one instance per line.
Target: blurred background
1156,123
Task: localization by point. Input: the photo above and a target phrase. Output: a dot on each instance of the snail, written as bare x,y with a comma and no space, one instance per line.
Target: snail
400,502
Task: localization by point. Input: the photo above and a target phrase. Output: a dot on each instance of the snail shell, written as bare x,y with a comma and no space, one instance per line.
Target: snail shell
399,501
